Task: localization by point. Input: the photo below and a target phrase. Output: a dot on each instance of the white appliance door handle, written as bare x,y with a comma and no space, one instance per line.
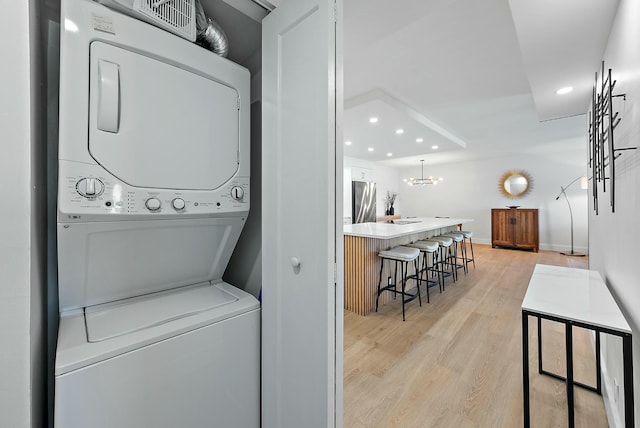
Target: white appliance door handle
108,96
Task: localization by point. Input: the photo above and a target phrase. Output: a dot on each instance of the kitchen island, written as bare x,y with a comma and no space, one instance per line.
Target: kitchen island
363,242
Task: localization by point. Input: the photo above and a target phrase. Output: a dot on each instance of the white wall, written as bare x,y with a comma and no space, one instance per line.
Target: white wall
386,179
614,237
20,249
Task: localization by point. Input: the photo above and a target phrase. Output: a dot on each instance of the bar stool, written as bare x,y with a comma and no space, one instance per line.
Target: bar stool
402,255
459,250
452,254
468,235
427,248
445,243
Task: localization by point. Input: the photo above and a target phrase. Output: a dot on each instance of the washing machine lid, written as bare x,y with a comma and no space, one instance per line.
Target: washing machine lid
74,351
102,262
116,319
154,124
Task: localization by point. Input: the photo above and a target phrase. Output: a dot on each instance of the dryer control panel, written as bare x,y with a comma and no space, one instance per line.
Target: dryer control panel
88,192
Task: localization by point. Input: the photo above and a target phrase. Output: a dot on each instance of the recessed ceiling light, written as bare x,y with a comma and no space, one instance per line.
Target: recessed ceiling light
373,120
399,131
370,149
434,147
348,143
419,140
389,154
564,91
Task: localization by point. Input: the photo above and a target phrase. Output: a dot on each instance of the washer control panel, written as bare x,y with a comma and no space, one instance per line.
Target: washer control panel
88,192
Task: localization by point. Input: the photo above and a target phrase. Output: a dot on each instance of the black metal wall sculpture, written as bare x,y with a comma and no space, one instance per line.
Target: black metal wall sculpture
603,120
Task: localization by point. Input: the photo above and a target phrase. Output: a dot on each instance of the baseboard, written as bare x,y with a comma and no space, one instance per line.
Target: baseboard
543,246
564,248
481,241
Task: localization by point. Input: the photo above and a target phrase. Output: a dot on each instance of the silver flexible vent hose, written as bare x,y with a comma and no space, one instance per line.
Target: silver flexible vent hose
209,34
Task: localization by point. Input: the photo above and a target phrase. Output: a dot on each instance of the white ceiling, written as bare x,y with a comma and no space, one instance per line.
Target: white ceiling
566,53
454,73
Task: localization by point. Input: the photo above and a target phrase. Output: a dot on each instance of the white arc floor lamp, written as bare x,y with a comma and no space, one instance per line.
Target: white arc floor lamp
583,185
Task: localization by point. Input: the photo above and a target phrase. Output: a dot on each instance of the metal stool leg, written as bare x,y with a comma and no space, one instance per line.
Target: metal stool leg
455,259
465,260
442,263
395,280
379,282
434,266
426,274
402,286
422,268
454,271
415,266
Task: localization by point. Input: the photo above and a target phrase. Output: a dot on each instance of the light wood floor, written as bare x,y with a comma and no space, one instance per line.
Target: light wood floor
457,362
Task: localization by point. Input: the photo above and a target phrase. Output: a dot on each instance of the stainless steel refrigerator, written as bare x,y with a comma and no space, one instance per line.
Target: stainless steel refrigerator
363,201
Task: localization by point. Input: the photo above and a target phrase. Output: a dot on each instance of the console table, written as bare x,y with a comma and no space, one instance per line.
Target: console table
574,297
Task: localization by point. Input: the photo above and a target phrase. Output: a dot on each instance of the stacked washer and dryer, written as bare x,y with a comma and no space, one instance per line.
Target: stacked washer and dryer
153,192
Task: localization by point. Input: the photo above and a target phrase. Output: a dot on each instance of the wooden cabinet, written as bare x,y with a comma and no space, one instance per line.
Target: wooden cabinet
514,228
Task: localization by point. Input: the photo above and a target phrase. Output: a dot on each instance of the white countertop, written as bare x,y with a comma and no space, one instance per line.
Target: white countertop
574,294
383,230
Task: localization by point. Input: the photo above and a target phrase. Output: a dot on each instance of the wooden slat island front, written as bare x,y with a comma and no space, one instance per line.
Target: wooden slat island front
363,242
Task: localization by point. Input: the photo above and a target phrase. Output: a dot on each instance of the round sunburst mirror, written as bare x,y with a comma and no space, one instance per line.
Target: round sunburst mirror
515,184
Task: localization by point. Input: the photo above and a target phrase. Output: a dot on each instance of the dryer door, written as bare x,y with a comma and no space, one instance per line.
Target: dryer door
153,124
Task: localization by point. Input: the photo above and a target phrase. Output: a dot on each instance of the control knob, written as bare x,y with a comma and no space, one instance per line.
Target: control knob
153,204
90,187
237,193
178,204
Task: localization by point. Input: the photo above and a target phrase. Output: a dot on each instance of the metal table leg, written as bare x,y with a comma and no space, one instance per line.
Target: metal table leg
569,356
598,364
525,369
627,359
540,371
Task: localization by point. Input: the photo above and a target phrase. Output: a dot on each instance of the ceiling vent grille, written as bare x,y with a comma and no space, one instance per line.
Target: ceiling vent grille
177,16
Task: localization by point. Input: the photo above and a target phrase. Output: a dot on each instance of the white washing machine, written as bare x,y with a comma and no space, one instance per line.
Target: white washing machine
153,193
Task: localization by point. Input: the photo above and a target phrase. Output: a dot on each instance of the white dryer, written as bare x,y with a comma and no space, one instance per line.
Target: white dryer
153,192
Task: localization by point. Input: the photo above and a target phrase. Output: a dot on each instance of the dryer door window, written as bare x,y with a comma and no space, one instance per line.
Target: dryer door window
153,124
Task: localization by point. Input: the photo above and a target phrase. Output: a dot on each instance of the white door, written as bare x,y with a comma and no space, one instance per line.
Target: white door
301,302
